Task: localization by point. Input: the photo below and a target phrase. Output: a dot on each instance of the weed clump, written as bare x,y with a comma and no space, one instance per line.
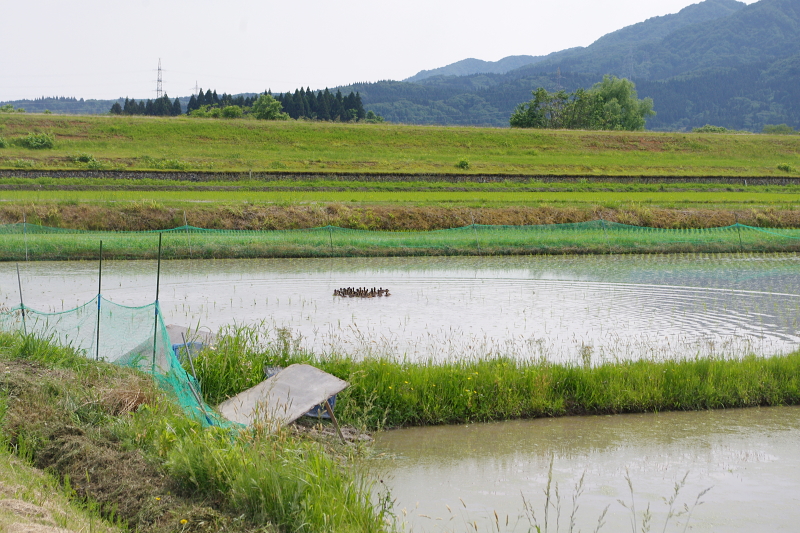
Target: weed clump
38,141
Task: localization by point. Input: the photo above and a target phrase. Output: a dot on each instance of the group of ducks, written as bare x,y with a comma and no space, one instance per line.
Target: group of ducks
361,292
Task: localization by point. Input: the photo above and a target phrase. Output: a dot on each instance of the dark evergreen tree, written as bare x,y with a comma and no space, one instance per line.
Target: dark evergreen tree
116,109
176,108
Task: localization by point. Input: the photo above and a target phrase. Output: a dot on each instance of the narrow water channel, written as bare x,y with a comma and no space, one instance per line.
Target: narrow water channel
449,478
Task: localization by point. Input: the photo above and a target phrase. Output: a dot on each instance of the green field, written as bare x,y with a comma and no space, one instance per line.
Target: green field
243,145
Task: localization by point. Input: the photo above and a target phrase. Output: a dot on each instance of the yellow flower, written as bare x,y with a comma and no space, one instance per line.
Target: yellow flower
184,521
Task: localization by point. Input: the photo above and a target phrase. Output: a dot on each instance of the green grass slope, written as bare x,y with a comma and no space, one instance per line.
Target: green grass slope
195,144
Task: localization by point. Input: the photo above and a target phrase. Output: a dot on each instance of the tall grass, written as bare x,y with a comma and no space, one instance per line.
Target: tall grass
280,482
395,393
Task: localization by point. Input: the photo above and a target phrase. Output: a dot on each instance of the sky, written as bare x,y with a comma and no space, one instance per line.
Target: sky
105,50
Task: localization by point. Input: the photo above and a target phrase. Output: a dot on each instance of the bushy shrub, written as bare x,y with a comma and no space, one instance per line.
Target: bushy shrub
708,128
232,111
778,129
4,143
786,167
38,141
463,164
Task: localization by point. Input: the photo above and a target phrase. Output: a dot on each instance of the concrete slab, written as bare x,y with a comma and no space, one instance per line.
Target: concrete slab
283,398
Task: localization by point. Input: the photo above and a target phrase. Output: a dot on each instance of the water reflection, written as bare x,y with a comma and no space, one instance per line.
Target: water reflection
447,477
616,307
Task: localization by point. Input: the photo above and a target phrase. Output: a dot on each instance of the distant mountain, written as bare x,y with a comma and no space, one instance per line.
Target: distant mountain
469,66
719,61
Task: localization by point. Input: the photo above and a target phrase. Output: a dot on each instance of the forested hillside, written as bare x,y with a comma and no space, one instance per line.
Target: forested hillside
719,62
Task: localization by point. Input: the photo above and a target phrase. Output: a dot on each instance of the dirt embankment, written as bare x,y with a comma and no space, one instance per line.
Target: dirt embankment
153,216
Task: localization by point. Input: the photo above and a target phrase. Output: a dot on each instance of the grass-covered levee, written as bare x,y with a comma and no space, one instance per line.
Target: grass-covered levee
387,392
122,446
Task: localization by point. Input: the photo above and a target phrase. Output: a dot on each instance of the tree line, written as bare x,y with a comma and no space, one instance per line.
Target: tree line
160,107
303,103
323,105
212,100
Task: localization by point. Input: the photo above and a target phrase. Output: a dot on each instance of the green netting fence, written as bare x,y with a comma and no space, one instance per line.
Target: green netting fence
33,242
130,336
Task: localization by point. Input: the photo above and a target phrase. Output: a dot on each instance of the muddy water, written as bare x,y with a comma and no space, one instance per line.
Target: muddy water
748,456
559,307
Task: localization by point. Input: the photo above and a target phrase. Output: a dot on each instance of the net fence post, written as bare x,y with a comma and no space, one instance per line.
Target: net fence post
155,323
605,232
25,234
99,298
188,234
739,231
475,229
21,303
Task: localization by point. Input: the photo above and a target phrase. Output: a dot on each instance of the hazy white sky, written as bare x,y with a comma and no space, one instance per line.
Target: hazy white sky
107,49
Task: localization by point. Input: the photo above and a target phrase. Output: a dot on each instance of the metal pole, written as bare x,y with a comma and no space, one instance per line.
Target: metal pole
21,303
739,231
333,419
25,233
605,232
99,298
478,244
155,324
188,235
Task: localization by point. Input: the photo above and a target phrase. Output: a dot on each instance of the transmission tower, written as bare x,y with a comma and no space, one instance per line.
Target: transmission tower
559,87
159,88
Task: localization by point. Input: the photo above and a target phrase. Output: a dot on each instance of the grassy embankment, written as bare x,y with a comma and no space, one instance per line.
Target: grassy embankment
131,455
192,144
391,393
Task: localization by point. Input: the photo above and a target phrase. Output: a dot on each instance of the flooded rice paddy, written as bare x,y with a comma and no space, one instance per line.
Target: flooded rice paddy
455,478
491,477
559,308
